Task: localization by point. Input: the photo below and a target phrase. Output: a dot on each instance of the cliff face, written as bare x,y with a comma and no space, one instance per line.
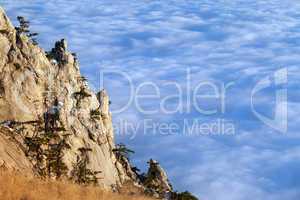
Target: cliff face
11,155
31,81
52,125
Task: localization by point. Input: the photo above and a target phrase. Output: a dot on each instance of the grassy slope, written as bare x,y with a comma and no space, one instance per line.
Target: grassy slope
17,187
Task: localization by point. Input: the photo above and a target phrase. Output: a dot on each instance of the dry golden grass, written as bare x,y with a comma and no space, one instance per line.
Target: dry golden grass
16,187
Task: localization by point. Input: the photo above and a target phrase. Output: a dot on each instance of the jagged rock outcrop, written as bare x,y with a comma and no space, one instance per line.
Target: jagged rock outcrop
30,82
156,180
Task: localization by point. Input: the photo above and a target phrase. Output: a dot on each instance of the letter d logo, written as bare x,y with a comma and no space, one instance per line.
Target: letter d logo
279,122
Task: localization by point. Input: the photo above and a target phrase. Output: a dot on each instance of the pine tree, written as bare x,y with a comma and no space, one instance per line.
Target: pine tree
122,151
24,29
80,173
24,25
183,196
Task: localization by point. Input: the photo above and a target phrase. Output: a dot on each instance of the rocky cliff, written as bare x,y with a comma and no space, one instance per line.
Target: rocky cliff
52,125
30,83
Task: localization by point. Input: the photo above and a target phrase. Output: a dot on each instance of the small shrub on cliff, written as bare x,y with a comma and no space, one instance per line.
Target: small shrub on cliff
2,88
17,66
48,158
95,114
183,196
55,164
23,28
135,170
83,79
122,151
80,173
24,25
75,57
82,93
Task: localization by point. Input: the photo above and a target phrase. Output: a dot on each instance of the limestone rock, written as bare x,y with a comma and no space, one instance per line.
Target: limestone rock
30,82
157,182
12,156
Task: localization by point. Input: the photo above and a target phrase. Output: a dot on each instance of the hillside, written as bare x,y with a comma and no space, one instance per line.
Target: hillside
14,186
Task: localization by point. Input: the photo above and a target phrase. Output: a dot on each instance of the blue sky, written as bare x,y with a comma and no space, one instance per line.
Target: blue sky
220,41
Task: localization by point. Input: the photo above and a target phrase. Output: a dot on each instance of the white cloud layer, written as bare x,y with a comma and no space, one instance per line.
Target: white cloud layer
219,40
